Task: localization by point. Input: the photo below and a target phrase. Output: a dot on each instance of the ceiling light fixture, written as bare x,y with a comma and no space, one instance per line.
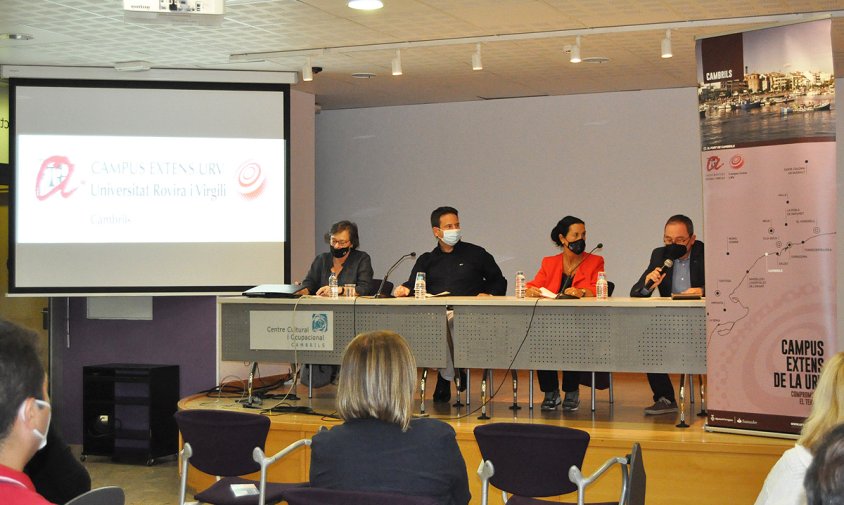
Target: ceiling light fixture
397,63
539,35
666,45
15,36
308,71
477,64
575,52
365,5
132,66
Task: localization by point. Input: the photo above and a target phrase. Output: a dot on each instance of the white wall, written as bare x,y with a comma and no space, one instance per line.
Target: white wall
622,162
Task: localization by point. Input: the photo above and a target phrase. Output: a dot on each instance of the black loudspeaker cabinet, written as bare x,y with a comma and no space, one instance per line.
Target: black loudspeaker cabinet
127,411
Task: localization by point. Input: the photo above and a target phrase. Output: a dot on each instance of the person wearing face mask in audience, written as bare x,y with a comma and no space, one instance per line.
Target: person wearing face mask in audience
685,276
572,273
24,413
456,267
351,265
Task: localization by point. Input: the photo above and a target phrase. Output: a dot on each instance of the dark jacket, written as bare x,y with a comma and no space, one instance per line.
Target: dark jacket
356,270
698,279
373,455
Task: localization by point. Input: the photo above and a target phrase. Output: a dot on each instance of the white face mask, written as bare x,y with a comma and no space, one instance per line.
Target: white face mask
42,437
451,237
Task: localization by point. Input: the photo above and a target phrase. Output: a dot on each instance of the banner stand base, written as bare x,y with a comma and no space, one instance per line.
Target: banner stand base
756,433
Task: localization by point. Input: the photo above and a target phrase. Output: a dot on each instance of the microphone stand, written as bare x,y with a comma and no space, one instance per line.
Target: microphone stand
251,400
384,280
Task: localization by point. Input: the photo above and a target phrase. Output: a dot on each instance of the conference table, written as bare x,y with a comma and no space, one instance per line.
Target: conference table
614,335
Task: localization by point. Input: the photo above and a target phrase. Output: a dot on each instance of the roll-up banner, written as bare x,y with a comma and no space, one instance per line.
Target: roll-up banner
767,121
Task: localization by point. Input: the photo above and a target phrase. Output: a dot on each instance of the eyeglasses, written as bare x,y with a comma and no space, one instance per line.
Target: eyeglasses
676,240
339,243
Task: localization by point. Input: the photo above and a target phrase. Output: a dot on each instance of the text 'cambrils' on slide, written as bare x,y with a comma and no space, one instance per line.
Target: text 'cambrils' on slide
127,189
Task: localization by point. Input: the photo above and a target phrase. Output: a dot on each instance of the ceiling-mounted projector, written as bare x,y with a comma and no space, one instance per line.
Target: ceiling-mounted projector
191,12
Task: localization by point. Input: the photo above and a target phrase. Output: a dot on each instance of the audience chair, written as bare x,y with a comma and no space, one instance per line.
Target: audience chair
530,460
110,495
229,444
319,496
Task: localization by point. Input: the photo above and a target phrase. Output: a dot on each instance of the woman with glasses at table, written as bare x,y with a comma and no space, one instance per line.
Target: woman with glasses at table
343,259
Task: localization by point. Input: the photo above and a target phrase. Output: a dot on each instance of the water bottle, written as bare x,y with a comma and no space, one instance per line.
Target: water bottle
521,284
419,286
601,288
333,290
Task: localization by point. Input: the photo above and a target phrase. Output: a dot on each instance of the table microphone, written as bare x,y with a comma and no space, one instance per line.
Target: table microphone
384,280
666,265
560,295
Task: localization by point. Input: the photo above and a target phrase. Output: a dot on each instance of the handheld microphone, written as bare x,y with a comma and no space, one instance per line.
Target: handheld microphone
666,265
573,270
384,280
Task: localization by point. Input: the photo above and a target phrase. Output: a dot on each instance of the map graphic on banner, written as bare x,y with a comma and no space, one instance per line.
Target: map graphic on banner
768,163
770,326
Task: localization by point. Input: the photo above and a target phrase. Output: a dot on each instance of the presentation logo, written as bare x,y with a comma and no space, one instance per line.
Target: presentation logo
319,322
54,177
713,163
250,180
736,162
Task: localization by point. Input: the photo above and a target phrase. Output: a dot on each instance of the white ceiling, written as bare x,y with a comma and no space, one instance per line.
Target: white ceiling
93,33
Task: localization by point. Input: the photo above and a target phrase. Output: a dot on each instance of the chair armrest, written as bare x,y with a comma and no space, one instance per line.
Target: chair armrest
185,454
485,472
258,454
576,477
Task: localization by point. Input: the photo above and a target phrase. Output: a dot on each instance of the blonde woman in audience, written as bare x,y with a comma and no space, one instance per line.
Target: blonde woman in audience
380,447
784,484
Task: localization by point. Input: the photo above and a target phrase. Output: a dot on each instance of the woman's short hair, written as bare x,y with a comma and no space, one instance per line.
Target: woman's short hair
827,403
562,228
377,379
348,226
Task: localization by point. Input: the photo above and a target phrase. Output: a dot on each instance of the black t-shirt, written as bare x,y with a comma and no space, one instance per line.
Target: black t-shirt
467,270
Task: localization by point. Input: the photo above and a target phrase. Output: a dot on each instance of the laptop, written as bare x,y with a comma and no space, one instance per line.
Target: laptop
273,291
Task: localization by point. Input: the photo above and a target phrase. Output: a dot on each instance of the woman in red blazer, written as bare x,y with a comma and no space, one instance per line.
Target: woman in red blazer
574,273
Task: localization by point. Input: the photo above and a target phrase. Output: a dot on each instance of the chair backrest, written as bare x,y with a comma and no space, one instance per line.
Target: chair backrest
532,459
222,441
319,496
636,486
110,495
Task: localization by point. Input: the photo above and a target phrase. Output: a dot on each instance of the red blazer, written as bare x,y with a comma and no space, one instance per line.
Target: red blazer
550,274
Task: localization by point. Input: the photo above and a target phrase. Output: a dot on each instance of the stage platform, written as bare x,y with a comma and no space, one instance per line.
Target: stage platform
684,466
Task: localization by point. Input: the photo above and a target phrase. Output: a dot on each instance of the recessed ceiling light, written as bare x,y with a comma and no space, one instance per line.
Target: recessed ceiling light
132,66
15,36
365,5
363,75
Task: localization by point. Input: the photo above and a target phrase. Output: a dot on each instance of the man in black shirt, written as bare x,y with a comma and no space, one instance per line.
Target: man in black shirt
461,269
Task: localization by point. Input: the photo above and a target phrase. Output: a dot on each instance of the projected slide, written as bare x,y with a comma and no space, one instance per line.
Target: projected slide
94,189
145,187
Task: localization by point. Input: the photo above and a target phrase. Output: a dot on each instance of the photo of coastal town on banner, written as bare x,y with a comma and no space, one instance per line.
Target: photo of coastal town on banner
776,88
